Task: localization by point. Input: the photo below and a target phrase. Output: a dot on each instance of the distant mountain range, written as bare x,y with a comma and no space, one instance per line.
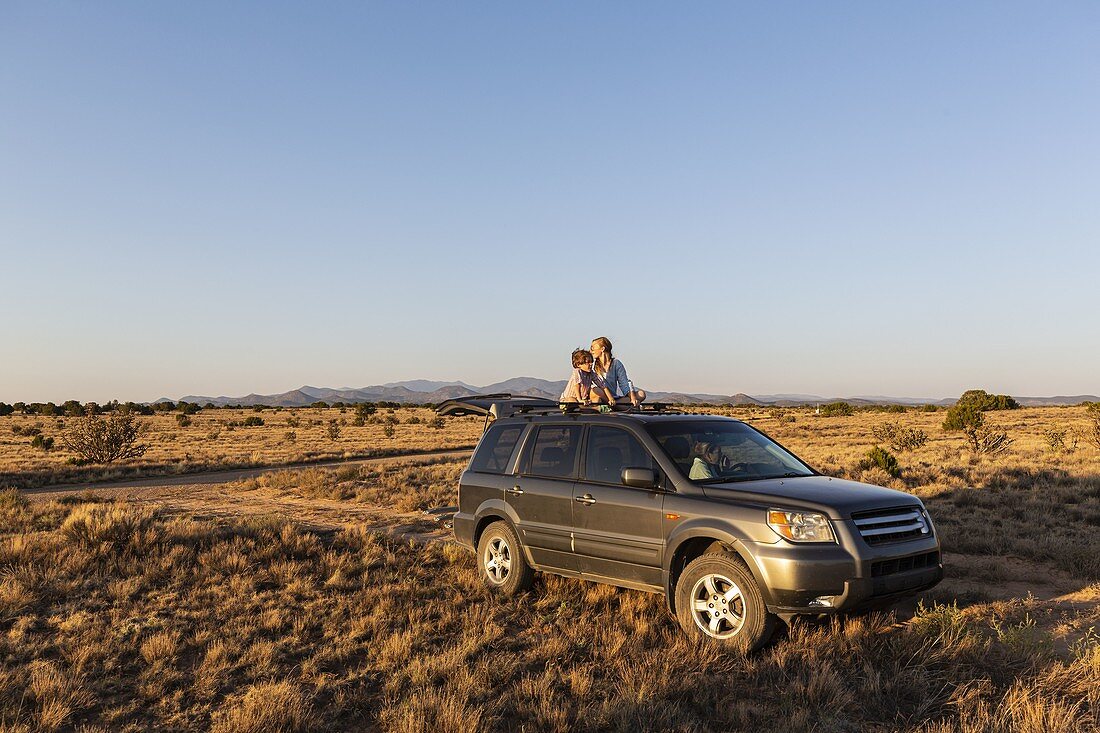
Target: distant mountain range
423,391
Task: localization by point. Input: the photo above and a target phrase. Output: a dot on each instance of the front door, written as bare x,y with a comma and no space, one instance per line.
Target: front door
618,530
542,495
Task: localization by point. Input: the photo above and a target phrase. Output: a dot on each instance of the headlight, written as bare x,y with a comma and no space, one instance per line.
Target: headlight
801,526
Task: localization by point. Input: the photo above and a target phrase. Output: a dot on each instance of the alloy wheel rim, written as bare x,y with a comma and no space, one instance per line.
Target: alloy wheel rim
718,606
497,560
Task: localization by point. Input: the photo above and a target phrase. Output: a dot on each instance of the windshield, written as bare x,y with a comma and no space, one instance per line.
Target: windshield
717,451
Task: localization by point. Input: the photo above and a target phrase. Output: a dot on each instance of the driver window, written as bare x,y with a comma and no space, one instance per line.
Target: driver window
609,451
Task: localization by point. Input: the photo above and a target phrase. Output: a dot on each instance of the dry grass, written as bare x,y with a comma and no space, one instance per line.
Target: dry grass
260,626
397,486
120,617
211,442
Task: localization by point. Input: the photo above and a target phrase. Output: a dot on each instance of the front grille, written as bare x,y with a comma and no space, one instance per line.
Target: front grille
897,524
904,564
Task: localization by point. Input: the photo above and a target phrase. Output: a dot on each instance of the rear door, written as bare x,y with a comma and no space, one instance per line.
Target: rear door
618,529
487,476
542,494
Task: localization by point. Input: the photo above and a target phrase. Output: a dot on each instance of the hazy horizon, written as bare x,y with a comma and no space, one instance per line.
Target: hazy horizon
657,388
836,200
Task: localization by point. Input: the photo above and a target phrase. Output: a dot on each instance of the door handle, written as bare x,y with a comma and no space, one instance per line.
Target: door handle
587,500
515,490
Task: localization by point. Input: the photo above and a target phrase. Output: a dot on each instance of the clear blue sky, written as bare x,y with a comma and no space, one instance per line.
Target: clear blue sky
835,198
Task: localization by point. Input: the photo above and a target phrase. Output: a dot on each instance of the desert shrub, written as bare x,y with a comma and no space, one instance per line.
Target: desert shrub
252,421
414,420
42,443
436,422
1058,442
99,439
388,431
290,436
333,430
835,409
1092,411
929,408
365,409
879,457
988,440
899,437
182,419
188,408
27,432
962,416
165,406
320,403
781,415
293,421
984,401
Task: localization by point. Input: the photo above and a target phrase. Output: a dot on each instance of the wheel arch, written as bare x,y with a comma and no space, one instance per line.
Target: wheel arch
496,510
693,542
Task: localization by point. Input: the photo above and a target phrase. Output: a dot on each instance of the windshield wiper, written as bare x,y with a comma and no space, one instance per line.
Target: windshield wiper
726,479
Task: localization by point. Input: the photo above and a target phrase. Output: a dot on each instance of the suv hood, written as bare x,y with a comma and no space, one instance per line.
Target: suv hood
833,496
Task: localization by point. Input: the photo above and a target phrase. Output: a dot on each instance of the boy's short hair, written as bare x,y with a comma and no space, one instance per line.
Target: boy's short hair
580,356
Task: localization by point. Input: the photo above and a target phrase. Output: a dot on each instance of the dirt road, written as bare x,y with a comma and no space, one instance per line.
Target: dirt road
221,477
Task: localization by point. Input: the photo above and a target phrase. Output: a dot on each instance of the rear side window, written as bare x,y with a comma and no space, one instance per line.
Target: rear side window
610,450
495,449
554,451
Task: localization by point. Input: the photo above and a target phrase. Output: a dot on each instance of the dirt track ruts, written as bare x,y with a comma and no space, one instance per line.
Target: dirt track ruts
221,477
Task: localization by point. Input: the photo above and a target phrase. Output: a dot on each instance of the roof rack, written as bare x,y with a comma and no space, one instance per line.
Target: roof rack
507,405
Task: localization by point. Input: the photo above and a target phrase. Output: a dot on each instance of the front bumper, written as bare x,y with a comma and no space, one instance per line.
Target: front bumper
822,579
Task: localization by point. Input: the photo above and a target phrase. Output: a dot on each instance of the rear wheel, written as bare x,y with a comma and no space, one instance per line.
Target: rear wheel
717,598
500,560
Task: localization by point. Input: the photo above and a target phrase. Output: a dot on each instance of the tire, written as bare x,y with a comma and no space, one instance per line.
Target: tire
500,560
717,599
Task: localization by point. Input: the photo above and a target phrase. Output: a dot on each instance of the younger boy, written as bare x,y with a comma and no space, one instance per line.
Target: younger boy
585,385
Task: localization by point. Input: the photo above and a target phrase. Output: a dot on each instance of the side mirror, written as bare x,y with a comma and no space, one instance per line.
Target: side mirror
640,478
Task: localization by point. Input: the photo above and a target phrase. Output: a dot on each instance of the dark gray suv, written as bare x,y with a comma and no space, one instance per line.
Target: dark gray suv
731,527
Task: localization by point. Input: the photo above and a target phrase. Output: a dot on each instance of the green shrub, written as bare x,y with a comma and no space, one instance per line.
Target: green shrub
182,419
6,409
252,421
42,443
963,416
388,431
835,409
881,458
333,430
985,401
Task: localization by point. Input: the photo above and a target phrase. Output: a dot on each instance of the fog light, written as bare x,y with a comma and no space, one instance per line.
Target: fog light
823,602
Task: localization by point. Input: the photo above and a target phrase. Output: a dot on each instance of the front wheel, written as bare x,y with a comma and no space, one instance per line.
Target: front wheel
500,560
717,598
